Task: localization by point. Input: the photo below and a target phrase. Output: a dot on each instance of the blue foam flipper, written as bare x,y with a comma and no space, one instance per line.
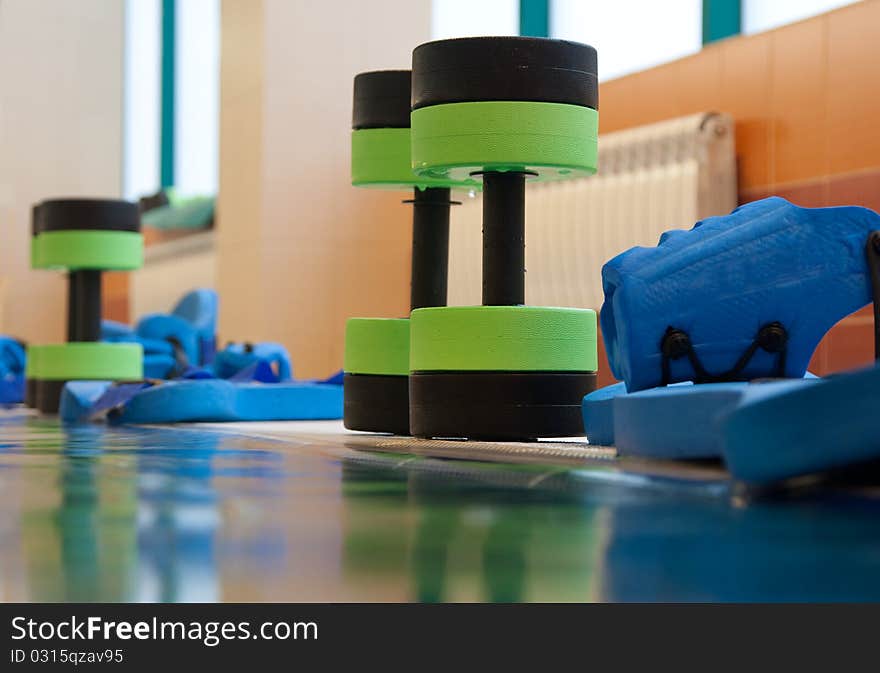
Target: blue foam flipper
720,282
776,434
218,400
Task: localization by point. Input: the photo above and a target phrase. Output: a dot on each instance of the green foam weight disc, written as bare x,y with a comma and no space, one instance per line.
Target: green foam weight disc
381,158
503,338
32,363
88,360
87,249
553,140
377,346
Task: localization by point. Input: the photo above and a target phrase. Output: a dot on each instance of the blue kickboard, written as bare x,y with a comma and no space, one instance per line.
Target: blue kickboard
200,400
721,281
777,434
217,400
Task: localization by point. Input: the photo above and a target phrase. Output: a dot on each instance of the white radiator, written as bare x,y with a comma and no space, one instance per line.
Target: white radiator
651,179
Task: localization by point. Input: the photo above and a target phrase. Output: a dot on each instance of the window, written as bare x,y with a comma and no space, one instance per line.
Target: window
630,35
195,83
761,15
471,18
142,98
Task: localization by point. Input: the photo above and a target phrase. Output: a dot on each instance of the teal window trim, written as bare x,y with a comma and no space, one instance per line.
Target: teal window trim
534,18
169,39
721,18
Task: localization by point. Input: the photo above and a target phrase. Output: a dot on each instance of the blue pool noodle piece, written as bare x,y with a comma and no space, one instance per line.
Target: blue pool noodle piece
778,434
218,400
727,277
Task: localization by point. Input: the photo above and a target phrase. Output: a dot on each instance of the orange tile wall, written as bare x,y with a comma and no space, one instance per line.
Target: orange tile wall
806,101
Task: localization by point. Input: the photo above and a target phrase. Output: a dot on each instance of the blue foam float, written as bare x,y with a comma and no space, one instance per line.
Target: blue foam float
679,421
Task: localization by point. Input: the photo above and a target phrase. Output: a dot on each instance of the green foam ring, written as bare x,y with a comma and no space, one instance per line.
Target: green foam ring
87,249
503,338
87,360
377,346
553,140
381,158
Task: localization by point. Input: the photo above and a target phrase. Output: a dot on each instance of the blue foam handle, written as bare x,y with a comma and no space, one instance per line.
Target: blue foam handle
237,356
111,330
720,282
218,400
776,434
160,327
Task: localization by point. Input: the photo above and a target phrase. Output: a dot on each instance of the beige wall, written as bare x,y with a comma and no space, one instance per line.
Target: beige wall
60,135
300,249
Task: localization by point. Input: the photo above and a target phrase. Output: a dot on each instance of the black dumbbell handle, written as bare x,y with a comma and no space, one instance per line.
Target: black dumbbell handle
84,305
430,247
504,231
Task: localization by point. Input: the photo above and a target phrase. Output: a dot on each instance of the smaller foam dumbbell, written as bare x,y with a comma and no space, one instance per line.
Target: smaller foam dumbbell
85,237
376,382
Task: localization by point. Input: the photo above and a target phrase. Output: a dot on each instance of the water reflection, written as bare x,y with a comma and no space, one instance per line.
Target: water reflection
98,514
469,537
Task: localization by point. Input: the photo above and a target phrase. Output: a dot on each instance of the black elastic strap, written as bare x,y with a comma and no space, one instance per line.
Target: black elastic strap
676,344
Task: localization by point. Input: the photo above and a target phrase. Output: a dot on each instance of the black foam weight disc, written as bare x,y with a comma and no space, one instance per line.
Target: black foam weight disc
476,69
85,215
47,395
381,100
376,403
498,406
30,393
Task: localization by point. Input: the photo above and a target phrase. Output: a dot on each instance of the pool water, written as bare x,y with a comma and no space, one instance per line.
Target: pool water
91,513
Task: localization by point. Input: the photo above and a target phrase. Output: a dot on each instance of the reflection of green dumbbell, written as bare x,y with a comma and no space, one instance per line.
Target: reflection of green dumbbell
85,237
504,108
376,385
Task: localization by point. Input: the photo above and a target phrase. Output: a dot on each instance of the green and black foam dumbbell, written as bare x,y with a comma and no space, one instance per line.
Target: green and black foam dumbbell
376,365
505,109
85,237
